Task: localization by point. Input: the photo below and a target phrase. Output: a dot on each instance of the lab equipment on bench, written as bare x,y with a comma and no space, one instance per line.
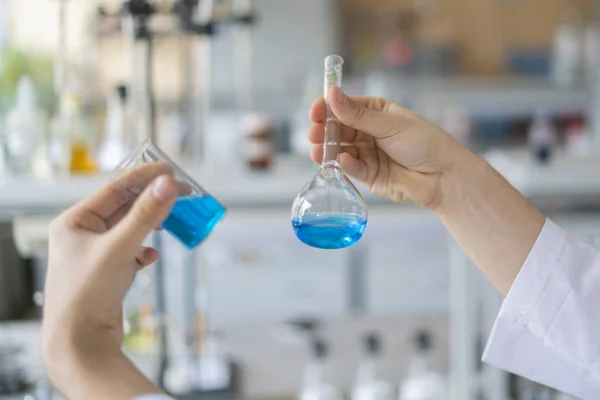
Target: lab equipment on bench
115,148
78,129
369,386
195,214
26,147
542,137
329,212
423,382
316,385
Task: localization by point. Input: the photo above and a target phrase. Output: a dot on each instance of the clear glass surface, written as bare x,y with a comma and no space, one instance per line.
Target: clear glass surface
329,212
196,212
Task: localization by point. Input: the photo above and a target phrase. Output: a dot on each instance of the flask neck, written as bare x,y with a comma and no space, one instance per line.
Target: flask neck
331,144
333,128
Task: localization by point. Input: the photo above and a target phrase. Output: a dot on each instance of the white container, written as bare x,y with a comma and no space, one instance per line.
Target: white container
567,53
25,141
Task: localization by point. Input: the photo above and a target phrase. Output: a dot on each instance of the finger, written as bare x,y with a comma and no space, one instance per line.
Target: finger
149,211
146,256
352,150
316,134
94,212
122,212
317,111
317,152
354,167
354,113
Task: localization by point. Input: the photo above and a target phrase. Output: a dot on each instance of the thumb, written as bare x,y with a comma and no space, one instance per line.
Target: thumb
360,116
149,211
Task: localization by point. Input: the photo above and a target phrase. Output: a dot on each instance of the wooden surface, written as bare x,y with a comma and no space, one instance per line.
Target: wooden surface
481,30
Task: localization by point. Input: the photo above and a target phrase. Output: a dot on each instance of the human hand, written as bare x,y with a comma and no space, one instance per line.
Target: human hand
95,251
395,152
400,155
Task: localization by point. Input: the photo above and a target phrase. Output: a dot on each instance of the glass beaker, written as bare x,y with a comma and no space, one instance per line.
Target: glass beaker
195,213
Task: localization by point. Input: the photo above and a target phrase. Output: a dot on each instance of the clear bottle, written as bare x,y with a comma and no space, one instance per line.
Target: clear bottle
568,51
542,137
82,159
115,147
25,138
591,52
315,385
423,382
258,146
368,385
214,368
577,141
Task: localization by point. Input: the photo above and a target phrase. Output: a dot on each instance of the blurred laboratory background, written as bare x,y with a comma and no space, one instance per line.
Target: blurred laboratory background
224,88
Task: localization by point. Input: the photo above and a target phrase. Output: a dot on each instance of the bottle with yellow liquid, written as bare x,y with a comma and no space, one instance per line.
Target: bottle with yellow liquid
82,160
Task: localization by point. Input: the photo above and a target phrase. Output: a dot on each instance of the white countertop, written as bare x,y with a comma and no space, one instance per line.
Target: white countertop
564,183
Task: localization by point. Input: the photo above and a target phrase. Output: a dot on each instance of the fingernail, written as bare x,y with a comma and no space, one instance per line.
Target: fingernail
341,97
163,189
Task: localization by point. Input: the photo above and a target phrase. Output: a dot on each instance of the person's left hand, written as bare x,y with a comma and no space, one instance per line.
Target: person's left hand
95,251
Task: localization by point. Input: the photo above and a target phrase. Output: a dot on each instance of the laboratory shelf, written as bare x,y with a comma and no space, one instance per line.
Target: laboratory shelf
565,182
234,186
502,97
481,98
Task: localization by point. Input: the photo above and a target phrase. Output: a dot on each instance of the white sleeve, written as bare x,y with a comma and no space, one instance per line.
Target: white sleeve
548,329
154,397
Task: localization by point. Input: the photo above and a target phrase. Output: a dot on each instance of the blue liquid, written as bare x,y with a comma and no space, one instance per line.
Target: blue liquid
193,218
334,231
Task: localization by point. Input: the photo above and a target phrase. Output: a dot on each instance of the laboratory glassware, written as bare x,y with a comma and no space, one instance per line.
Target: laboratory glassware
542,137
115,146
329,212
369,386
74,126
195,213
315,384
25,132
423,382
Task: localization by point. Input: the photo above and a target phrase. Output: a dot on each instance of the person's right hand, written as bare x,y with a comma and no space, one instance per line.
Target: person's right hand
392,150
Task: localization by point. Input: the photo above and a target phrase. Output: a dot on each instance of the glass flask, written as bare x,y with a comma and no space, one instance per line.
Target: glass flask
329,212
195,213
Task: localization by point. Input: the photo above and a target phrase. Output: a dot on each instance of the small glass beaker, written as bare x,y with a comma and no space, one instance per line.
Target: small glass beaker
195,213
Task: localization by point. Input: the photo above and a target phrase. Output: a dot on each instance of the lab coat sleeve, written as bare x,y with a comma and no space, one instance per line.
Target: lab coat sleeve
548,328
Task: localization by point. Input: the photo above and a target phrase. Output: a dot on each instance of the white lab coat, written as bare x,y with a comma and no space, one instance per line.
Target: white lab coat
548,329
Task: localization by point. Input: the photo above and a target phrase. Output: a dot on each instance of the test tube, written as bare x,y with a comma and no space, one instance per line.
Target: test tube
333,77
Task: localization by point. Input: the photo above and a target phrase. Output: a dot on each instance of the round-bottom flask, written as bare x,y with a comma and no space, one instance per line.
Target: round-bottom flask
329,212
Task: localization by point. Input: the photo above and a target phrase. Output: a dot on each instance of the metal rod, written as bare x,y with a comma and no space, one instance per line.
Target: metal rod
61,55
161,307
190,278
462,327
203,68
242,39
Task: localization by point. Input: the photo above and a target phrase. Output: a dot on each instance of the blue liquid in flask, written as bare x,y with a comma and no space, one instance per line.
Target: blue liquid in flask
193,218
334,231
